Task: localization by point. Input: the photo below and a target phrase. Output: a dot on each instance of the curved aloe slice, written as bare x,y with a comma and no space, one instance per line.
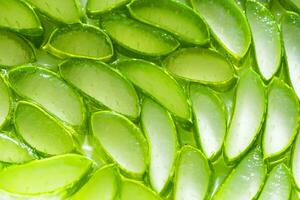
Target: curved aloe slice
5,102
192,175
82,41
168,15
160,131
95,8
48,90
138,37
122,141
210,116
247,119
103,84
295,166
227,23
151,79
281,120
266,38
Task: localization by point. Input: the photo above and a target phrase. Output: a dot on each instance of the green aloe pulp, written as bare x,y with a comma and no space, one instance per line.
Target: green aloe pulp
4,101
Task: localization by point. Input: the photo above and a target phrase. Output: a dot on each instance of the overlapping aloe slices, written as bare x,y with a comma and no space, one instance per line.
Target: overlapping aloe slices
5,102
95,8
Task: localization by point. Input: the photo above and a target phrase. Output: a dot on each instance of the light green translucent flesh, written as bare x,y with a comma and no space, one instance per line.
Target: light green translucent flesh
97,7
296,162
135,190
228,24
103,84
173,17
46,89
192,175
210,119
248,115
4,101
157,84
160,130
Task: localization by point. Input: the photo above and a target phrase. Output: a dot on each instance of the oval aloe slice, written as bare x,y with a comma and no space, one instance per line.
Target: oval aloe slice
138,37
151,79
95,8
100,82
168,15
227,23
5,102
295,165
248,115
49,91
160,131
192,175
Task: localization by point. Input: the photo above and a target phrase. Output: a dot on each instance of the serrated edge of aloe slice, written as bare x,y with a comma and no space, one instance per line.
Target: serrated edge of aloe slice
96,13
10,101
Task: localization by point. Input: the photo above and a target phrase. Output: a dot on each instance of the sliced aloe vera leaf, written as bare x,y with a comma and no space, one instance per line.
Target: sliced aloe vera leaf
227,23
266,38
282,121
5,102
138,37
105,85
248,115
151,79
49,91
95,8
210,119
160,131
81,41
122,141
295,164
168,15
192,175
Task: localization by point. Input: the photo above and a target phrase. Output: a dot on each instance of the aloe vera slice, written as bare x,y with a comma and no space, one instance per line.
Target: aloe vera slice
173,17
160,131
5,105
138,37
210,117
227,23
248,115
266,38
281,121
95,8
151,79
49,91
192,175
103,84
81,41
122,141
295,165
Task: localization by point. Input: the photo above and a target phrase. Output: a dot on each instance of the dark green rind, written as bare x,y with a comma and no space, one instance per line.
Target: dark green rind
94,12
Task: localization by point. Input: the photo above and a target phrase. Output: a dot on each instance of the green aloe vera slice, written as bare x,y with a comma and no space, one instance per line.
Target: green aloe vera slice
5,102
210,119
49,91
160,131
266,38
122,141
81,41
192,175
173,17
227,23
248,115
95,8
295,165
41,131
151,79
138,37
282,119
102,83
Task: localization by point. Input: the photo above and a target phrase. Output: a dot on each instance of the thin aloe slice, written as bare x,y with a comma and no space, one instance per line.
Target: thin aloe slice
160,131
210,119
248,115
138,37
227,23
95,8
295,165
192,175
81,41
282,119
105,85
266,38
49,91
151,79
173,17
5,99
122,141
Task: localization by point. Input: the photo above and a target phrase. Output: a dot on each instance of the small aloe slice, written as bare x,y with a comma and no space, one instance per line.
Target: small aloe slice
5,99
247,119
210,117
95,8
151,79
138,37
295,166
103,84
281,120
49,91
266,38
192,175
160,131
168,15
